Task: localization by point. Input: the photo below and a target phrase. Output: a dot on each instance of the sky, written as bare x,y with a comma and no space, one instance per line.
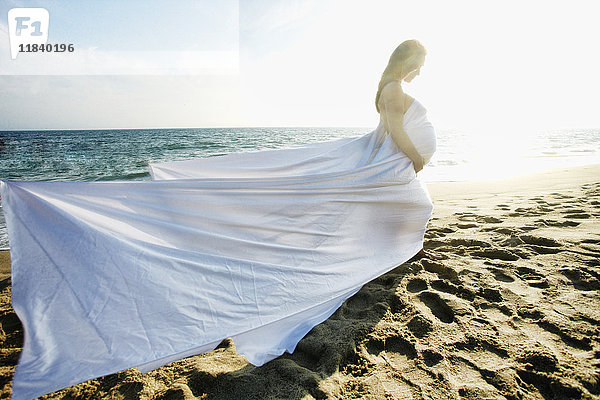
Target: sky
492,66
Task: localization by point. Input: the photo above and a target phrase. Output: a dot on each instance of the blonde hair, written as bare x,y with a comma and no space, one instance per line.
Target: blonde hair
403,60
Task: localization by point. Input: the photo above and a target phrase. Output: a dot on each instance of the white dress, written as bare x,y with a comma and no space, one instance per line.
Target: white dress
257,246
420,130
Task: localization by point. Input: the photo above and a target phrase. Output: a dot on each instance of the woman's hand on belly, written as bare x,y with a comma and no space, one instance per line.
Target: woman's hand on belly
418,163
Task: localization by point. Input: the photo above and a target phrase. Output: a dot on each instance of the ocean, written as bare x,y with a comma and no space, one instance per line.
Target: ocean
124,154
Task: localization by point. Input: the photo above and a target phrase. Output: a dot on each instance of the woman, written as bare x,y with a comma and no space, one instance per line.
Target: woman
392,103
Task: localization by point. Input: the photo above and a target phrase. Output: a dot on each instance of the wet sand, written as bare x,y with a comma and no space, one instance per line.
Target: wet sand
511,312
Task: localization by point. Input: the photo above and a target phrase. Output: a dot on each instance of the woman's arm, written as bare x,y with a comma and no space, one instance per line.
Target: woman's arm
393,99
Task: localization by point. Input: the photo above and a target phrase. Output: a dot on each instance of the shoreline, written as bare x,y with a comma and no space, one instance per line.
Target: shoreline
511,311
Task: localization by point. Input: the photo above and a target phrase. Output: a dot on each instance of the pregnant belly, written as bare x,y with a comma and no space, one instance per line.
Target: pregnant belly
424,140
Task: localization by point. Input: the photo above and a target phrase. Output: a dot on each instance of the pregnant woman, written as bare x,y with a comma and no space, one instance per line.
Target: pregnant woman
257,246
417,140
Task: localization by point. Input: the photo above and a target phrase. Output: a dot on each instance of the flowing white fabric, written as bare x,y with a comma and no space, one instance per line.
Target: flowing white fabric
258,246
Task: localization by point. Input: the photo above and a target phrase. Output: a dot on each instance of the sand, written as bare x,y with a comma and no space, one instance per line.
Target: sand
511,312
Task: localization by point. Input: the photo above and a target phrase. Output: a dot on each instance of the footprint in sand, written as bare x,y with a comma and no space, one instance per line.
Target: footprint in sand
420,325
532,277
548,385
557,223
496,254
539,358
12,331
472,341
465,216
431,357
388,280
392,344
438,306
466,225
577,215
543,250
530,311
416,285
470,217
439,268
525,212
500,275
512,241
540,241
570,335
489,220
438,232
442,285
542,245
401,345
581,279
491,294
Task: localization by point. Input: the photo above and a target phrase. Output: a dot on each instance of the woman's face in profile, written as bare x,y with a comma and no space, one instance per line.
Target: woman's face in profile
412,74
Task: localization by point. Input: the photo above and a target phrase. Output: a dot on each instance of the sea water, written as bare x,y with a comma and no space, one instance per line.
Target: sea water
124,154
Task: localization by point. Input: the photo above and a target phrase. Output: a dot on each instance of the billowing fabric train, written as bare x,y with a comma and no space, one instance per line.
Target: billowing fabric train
257,246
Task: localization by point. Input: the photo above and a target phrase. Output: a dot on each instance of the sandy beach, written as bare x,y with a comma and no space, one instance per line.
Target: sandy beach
511,312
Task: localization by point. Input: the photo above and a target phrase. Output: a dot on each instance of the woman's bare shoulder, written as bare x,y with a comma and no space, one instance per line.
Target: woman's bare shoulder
392,88
392,93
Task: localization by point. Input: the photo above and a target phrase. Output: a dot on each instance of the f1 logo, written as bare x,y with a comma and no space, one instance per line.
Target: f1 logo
27,26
